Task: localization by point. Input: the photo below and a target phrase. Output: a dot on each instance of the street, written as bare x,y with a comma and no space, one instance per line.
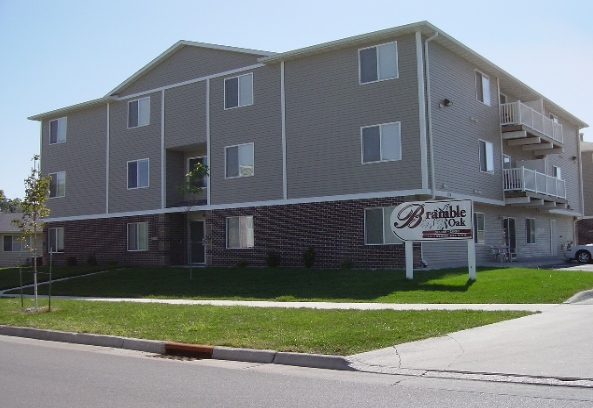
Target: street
38,373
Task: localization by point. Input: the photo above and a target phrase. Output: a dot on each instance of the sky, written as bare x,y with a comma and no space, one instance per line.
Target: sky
62,52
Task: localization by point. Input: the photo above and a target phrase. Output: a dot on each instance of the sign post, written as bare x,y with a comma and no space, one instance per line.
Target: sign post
434,221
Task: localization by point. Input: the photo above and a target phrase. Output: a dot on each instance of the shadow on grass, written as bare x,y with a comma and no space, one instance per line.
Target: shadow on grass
264,284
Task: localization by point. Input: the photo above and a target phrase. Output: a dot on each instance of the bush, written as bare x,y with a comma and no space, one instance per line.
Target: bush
309,257
242,263
346,264
272,259
92,260
71,261
112,263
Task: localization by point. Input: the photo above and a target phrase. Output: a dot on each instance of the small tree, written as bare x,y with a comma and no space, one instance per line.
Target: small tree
192,185
34,210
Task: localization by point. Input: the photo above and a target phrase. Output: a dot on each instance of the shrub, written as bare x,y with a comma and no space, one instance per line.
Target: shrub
309,257
242,263
272,259
346,264
91,260
112,263
71,261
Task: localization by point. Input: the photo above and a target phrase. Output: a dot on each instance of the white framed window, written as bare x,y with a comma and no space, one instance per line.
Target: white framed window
378,63
138,236
191,163
482,88
530,230
377,227
139,112
239,232
239,160
238,91
57,130
486,155
506,161
57,184
381,143
14,243
557,172
479,228
138,172
55,240
554,118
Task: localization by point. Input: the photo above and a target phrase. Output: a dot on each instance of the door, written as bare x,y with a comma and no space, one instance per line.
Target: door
553,238
509,234
196,242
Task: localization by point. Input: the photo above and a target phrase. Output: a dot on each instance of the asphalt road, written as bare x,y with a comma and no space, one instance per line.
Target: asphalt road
46,374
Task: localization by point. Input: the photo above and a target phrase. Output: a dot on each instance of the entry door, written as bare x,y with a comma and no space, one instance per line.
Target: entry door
553,238
196,242
509,234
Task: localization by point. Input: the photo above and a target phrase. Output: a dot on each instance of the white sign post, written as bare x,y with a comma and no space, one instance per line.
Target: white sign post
434,221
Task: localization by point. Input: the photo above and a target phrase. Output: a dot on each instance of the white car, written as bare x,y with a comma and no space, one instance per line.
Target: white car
581,253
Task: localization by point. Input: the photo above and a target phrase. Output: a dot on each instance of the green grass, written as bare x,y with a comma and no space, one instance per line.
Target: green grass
9,277
336,332
504,285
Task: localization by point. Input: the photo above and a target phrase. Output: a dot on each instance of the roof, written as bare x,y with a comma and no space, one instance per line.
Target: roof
586,146
6,224
507,81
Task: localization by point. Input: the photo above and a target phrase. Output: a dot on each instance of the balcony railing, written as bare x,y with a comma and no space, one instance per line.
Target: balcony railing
517,113
522,179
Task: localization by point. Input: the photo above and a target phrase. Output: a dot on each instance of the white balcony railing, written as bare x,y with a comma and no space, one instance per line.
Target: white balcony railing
522,179
517,113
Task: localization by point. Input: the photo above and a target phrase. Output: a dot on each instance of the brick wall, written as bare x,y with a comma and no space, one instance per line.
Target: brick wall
334,229
585,231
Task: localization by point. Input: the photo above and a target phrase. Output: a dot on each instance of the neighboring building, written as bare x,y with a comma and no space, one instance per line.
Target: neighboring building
585,225
310,147
14,251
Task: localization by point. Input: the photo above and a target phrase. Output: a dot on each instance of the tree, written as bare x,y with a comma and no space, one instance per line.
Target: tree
34,210
9,205
192,185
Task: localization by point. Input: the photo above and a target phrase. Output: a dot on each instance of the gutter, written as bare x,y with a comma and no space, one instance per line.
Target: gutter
429,114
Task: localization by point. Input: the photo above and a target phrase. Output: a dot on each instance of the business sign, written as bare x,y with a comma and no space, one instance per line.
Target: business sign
433,220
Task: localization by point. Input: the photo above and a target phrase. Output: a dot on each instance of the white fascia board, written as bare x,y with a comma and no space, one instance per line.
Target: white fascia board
567,213
67,109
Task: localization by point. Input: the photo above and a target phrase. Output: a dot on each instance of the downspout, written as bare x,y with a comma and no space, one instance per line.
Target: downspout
429,114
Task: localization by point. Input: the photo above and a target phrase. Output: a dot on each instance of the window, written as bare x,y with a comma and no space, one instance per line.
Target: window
554,118
57,184
139,112
378,63
191,163
381,143
138,236
557,172
530,230
57,131
239,232
486,157
14,243
479,228
506,161
377,227
482,88
502,98
238,91
239,160
138,174
55,241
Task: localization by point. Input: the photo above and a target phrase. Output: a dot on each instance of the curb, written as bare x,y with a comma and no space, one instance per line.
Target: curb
183,349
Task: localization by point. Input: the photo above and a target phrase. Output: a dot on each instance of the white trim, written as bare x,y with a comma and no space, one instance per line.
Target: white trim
239,91
163,155
421,110
486,142
128,116
128,173
64,120
57,184
49,249
227,231
239,164
527,232
137,224
283,118
379,79
476,227
208,137
107,157
380,126
477,71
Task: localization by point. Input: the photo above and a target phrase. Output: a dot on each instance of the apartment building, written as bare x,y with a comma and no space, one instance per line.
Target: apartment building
585,224
15,251
310,148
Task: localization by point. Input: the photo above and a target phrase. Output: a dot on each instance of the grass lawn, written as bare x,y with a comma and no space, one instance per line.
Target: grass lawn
502,285
9,277
336,332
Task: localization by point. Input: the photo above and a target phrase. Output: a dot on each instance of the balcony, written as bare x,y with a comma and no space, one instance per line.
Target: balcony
524,126
529,187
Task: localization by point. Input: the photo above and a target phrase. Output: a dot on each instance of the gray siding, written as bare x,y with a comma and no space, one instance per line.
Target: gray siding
8,259
185,116
189,63
259,123
587,160
134,144
325,110
456,134
82,157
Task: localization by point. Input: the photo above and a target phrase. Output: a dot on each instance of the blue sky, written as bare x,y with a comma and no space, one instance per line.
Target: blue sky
58,53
